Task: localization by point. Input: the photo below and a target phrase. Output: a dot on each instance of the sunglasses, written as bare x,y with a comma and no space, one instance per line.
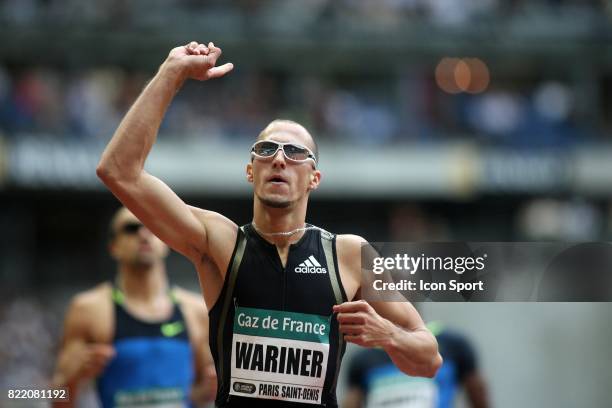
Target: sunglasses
130,228
266,149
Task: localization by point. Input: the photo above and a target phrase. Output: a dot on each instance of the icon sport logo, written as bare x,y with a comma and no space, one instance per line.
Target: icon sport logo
310,265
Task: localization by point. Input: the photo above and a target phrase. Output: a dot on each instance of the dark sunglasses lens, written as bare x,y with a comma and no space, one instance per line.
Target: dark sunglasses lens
295,152
131,228
265,149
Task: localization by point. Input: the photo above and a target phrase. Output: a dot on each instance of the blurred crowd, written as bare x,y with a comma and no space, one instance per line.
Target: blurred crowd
87,105
29,332
545,219
299,13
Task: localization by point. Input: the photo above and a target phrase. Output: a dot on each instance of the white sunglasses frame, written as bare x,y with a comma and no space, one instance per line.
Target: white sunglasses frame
281,145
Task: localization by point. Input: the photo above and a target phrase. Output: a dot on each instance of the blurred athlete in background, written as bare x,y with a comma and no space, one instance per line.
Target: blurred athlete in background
144,343
373,380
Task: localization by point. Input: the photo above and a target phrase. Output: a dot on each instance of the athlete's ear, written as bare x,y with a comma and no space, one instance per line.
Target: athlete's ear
315,180
249,172
112,248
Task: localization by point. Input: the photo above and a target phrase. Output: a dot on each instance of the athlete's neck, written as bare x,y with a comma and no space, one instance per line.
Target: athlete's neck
273,223
144,284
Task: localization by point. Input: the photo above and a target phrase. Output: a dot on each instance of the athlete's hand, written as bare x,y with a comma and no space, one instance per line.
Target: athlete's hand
96,357
360,324
83,360
208,391
198,61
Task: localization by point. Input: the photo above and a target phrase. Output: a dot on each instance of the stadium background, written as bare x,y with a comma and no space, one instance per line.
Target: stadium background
437,120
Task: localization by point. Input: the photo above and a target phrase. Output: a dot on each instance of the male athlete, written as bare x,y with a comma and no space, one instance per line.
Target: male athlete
375,382
144,343
277,289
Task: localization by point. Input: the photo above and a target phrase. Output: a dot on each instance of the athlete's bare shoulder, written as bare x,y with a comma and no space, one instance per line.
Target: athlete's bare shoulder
193,301
89,314
221,234
220,230
349,244
214,219
348,248
90,300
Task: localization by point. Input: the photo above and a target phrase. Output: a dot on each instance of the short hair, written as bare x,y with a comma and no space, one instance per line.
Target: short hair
112,233
265,131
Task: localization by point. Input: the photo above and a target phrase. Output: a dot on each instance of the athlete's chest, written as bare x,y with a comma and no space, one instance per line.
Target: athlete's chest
303,283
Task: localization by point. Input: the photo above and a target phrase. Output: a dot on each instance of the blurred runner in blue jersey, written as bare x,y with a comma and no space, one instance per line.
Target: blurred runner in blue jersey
374,381
144,343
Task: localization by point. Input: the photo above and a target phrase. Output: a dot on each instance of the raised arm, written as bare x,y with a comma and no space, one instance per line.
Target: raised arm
121,167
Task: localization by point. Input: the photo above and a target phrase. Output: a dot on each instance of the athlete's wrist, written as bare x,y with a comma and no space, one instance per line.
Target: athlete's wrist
173,73
62,381
391,342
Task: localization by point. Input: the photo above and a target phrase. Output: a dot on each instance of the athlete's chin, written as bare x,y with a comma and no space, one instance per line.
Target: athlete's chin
275,201
144,260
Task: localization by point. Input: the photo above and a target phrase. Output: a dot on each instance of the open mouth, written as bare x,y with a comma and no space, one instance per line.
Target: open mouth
277,179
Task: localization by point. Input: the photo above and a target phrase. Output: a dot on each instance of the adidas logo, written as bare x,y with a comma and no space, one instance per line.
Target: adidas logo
310,265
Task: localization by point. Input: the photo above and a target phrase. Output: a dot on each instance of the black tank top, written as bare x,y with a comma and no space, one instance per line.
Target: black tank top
273,335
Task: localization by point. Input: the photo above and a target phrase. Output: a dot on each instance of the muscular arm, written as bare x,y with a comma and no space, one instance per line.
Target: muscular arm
205,384
394,326
408,342
121,167
79,359
205,387
476,390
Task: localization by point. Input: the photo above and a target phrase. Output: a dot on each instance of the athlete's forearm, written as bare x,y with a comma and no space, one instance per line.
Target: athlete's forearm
66,374
59,381
204,389
414,352
125,155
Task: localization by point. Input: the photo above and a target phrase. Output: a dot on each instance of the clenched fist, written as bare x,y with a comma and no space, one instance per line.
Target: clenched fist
81,360
360,324
197,61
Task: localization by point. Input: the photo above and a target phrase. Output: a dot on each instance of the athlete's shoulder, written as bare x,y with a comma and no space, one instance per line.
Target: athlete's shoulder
348,249
351,239
190,299
349,243
213,218
325,234
192,302
221,234
86,310
91,299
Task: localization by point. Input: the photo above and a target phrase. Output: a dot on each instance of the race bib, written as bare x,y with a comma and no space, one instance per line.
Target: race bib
391,388
279,355
157,398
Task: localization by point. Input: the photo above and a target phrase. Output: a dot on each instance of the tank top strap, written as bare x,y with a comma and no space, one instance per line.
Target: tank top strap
118,295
